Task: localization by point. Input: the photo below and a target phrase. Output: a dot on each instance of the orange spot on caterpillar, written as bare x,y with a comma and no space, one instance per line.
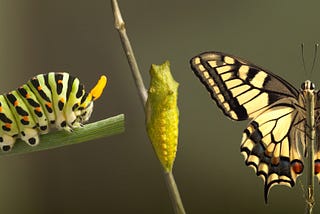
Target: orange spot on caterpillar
27,95
59,81
37,109
49,105
16,103
0,108
25,118
39,88
62,100
8,125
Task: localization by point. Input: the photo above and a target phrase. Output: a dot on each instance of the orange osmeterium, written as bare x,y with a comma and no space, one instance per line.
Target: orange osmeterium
98,88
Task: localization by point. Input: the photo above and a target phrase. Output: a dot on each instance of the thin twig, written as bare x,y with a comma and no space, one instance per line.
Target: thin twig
120,26
110,126
174,193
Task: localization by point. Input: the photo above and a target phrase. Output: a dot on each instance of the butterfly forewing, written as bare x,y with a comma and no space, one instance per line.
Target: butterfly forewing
241,89
270,143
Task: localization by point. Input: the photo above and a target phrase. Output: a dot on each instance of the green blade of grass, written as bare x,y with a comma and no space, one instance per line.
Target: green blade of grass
103,128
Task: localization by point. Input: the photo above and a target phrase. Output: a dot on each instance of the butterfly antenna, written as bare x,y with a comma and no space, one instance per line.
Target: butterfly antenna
302,55
315,56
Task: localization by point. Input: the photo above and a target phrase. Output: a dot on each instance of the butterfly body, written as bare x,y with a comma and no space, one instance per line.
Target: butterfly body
275,140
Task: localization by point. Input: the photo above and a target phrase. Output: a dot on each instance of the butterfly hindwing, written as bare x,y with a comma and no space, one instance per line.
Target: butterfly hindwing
244,91
241,89
269,145
317,151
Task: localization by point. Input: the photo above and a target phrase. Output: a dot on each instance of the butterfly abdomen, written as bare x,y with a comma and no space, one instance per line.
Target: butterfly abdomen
53,99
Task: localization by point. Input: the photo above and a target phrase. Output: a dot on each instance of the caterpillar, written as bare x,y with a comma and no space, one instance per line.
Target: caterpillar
55,99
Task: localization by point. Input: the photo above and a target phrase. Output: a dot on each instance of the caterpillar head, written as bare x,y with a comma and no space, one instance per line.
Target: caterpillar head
85,109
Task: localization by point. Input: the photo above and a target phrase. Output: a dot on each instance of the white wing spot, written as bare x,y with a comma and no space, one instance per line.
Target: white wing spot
272,177
250,128
238,90
259,79
226,76
197,60
243,71
249,144
220,97
201,68
233,115
229,60
213,64
254,159
223,69
245,97
205,74
226,106
216,89
286,181
233,83
211,82
263,167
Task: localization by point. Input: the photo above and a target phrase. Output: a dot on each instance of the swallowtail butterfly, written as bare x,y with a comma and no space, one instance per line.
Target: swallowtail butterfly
274,141
53,99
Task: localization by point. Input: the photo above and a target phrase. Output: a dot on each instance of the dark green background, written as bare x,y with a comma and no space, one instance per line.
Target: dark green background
121,174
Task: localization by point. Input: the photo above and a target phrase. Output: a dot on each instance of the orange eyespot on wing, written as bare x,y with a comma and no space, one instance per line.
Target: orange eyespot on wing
317,167
297,166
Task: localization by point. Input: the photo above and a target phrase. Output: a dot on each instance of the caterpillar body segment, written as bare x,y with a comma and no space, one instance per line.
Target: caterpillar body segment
47,100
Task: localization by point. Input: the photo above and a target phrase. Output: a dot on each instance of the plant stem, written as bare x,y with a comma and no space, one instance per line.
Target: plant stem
120,26
110,126
174,193
310,138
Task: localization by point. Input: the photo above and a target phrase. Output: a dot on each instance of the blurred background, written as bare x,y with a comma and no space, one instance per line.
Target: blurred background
121,174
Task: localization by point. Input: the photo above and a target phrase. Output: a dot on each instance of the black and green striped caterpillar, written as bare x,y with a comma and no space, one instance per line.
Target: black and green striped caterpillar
53,99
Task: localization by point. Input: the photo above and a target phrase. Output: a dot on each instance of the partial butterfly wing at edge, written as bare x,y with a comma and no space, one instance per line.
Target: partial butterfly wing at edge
245,91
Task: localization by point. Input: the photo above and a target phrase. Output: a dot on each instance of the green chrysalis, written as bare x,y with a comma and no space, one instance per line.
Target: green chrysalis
162,114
